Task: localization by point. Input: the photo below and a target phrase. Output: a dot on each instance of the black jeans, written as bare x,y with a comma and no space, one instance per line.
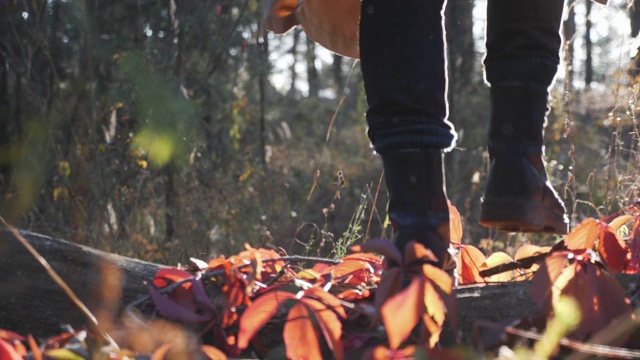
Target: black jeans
403,60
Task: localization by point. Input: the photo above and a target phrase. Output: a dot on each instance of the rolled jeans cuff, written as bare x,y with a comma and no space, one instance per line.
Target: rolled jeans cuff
413,137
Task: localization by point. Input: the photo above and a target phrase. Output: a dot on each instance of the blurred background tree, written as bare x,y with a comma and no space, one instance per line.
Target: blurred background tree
165,129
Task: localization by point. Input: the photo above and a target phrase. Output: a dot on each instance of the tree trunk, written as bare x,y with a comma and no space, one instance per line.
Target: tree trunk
338,75
460,45
569,33
588,63
312,72
293,91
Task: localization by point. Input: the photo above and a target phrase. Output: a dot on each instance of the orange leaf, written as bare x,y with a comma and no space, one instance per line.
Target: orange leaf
389,285
380,246
614,251
329,324
382,352
219,262
433,329
352,271
434,304
354,294
258,314
159,353
415,251
300,337
35,350
617,223
403,311
497,259
213,353
379,352
584,236
368,257
455,225
438,277
444,287
328,299
469,261
528,250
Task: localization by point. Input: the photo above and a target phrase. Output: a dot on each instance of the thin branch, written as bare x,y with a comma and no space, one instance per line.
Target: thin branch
592,349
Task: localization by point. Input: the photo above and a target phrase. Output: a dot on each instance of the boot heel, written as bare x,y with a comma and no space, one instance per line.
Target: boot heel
520,216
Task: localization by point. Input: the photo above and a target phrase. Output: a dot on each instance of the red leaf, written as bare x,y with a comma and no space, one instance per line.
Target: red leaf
234,294
172,275
455,225
7,352
546,276
258,314
200,297
403,311
469,261
613,250
380,246
329,324
10,335
300,337
213,353
328,299
171,310
600,296
583,236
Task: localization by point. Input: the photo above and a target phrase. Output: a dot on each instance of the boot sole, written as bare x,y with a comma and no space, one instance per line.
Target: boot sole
520,216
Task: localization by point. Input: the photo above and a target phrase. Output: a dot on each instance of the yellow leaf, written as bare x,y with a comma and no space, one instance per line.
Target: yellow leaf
64,169
62,354
159,146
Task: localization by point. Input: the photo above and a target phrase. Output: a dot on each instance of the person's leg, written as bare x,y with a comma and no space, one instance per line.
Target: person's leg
523,43
402,51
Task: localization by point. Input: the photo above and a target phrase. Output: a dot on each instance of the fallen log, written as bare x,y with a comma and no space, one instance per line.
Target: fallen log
30,302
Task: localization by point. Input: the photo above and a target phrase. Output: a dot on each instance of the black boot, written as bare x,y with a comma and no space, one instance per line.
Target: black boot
518,196
418,207
523,43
